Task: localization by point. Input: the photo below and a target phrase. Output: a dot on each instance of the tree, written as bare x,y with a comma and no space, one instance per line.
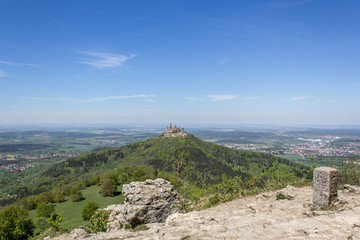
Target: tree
76,194
182,168
59,196
89,209
107,188
99,220
54,221
44,210
15,223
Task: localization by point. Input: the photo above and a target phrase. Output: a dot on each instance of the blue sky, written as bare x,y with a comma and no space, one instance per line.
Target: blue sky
160,61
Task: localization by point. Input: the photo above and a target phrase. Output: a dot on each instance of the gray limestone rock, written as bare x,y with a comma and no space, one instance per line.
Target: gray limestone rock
77,233
150,201
286,193
325,186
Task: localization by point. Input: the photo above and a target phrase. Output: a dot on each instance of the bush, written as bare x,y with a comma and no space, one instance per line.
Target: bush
89,209
58,196
54,221
15,223
76,195
99,220
45,210
107,188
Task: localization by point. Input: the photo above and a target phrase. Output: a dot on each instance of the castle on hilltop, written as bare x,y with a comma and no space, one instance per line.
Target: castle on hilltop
174,131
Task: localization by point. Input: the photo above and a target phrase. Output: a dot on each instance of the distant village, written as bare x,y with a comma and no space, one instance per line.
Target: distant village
8,166
16,167
306,148
41,156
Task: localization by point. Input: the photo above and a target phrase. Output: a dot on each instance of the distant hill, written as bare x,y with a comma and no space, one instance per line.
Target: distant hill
210,161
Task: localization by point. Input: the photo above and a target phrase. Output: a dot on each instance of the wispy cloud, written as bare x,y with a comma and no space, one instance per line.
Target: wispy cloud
287,4
105,60
14,64
221,97
99,99
2,74
297,98
193,98
252,98
223,61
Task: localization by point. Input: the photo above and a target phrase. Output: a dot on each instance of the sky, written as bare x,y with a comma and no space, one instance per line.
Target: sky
186,62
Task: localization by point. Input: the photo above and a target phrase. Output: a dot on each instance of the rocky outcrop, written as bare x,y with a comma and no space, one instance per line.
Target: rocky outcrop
116,218
259,216
150,201
286,193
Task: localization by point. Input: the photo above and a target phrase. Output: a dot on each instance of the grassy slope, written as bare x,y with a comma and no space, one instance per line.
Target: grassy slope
71,211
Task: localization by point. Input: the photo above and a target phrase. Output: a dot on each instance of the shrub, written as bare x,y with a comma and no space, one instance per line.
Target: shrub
89,209
44,210
107,188
76,195
15,223
54,220
59,196
99,220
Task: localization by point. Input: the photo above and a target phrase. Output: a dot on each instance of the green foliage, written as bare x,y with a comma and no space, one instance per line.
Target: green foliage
99,220
15,223
89,209
45,197
54,220
282,173
107,188
76,194
280,196
41,225
134,173
44,210
183,170
350,172
27,203
58,196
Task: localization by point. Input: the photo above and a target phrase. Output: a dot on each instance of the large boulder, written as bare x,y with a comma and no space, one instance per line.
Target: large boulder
149,201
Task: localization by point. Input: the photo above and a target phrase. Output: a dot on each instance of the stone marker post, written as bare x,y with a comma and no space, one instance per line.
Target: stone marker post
325,186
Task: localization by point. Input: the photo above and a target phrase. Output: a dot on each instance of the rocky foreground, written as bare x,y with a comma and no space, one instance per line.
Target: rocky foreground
255,217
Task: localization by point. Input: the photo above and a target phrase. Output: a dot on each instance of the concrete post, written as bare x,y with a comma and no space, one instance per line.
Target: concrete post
325,186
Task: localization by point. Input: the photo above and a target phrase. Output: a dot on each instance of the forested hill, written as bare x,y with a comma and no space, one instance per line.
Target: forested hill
209,161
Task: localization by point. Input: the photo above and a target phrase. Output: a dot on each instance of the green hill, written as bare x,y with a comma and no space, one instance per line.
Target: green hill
210,161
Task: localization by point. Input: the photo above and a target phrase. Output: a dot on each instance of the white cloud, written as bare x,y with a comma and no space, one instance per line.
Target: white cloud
2,74
221,97
14,64
193,98
252,98
297,98
105,60
100,99
290,4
